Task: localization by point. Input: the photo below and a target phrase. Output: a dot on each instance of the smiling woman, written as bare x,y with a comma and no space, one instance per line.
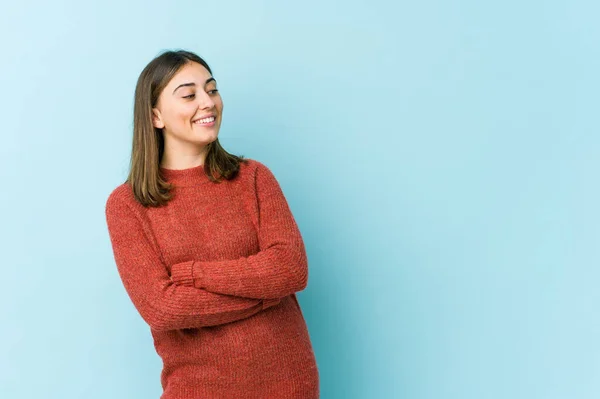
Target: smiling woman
207,248
189,111
177,116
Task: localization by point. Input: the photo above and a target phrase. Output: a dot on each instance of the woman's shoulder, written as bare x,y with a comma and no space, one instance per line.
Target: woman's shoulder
261,175
122,195
252,166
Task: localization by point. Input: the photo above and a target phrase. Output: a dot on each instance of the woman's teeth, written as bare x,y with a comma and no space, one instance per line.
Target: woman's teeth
205,120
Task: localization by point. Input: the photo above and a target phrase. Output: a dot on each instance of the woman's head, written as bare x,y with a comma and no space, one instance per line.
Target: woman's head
177,111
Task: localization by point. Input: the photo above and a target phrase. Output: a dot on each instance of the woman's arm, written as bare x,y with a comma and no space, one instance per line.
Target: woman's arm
163,304
279,269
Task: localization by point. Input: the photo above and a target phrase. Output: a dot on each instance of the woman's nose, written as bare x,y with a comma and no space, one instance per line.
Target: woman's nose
205,101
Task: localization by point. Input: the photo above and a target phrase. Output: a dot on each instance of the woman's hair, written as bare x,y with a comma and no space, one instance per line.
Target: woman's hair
149,187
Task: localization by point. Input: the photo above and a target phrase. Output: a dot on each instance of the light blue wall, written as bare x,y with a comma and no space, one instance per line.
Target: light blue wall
441,159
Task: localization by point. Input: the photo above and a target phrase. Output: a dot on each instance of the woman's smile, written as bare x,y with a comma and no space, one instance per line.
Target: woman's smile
207,121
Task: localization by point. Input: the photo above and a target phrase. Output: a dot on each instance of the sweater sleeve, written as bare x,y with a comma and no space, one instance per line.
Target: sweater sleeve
280,268
163,304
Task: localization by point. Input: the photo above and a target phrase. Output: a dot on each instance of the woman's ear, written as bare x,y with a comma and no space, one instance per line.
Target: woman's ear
156,119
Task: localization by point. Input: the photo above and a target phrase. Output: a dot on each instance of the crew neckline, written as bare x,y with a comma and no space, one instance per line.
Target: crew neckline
185,177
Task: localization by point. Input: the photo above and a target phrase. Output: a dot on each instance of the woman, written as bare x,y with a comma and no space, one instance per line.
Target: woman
207,248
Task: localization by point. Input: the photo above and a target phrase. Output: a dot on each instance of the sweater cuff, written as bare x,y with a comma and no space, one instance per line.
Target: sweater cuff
267,303
183,273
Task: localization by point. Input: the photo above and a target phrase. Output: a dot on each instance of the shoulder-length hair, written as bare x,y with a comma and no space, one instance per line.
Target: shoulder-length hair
149,186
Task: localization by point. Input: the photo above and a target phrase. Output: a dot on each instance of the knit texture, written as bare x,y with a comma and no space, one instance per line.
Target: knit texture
214,274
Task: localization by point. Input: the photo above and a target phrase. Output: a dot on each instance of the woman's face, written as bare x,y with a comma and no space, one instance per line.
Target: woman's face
189,108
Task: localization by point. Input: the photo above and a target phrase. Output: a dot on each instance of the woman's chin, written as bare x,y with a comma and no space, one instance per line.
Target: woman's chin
205,139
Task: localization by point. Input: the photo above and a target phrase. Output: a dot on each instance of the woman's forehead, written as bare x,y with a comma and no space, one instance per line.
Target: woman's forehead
192,72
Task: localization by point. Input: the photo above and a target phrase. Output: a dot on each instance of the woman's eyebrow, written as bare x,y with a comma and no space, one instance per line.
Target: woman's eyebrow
211,79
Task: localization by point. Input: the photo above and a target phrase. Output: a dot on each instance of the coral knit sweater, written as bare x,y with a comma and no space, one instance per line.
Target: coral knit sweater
214,274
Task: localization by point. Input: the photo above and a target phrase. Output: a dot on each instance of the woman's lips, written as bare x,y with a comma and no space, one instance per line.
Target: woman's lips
210,121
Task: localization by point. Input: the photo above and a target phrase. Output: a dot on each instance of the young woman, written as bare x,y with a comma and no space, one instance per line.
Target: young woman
207,248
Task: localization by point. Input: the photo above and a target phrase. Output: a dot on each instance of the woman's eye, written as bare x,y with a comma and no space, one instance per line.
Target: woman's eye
213,91
190,96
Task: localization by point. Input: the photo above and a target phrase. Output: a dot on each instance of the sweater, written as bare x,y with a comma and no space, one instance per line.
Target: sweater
214,275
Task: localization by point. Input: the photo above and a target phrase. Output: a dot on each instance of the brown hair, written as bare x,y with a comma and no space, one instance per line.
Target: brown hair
149,187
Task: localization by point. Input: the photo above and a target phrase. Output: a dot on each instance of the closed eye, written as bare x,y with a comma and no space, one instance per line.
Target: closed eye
194,95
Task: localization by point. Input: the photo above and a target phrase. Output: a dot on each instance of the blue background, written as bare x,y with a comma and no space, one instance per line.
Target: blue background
441,159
